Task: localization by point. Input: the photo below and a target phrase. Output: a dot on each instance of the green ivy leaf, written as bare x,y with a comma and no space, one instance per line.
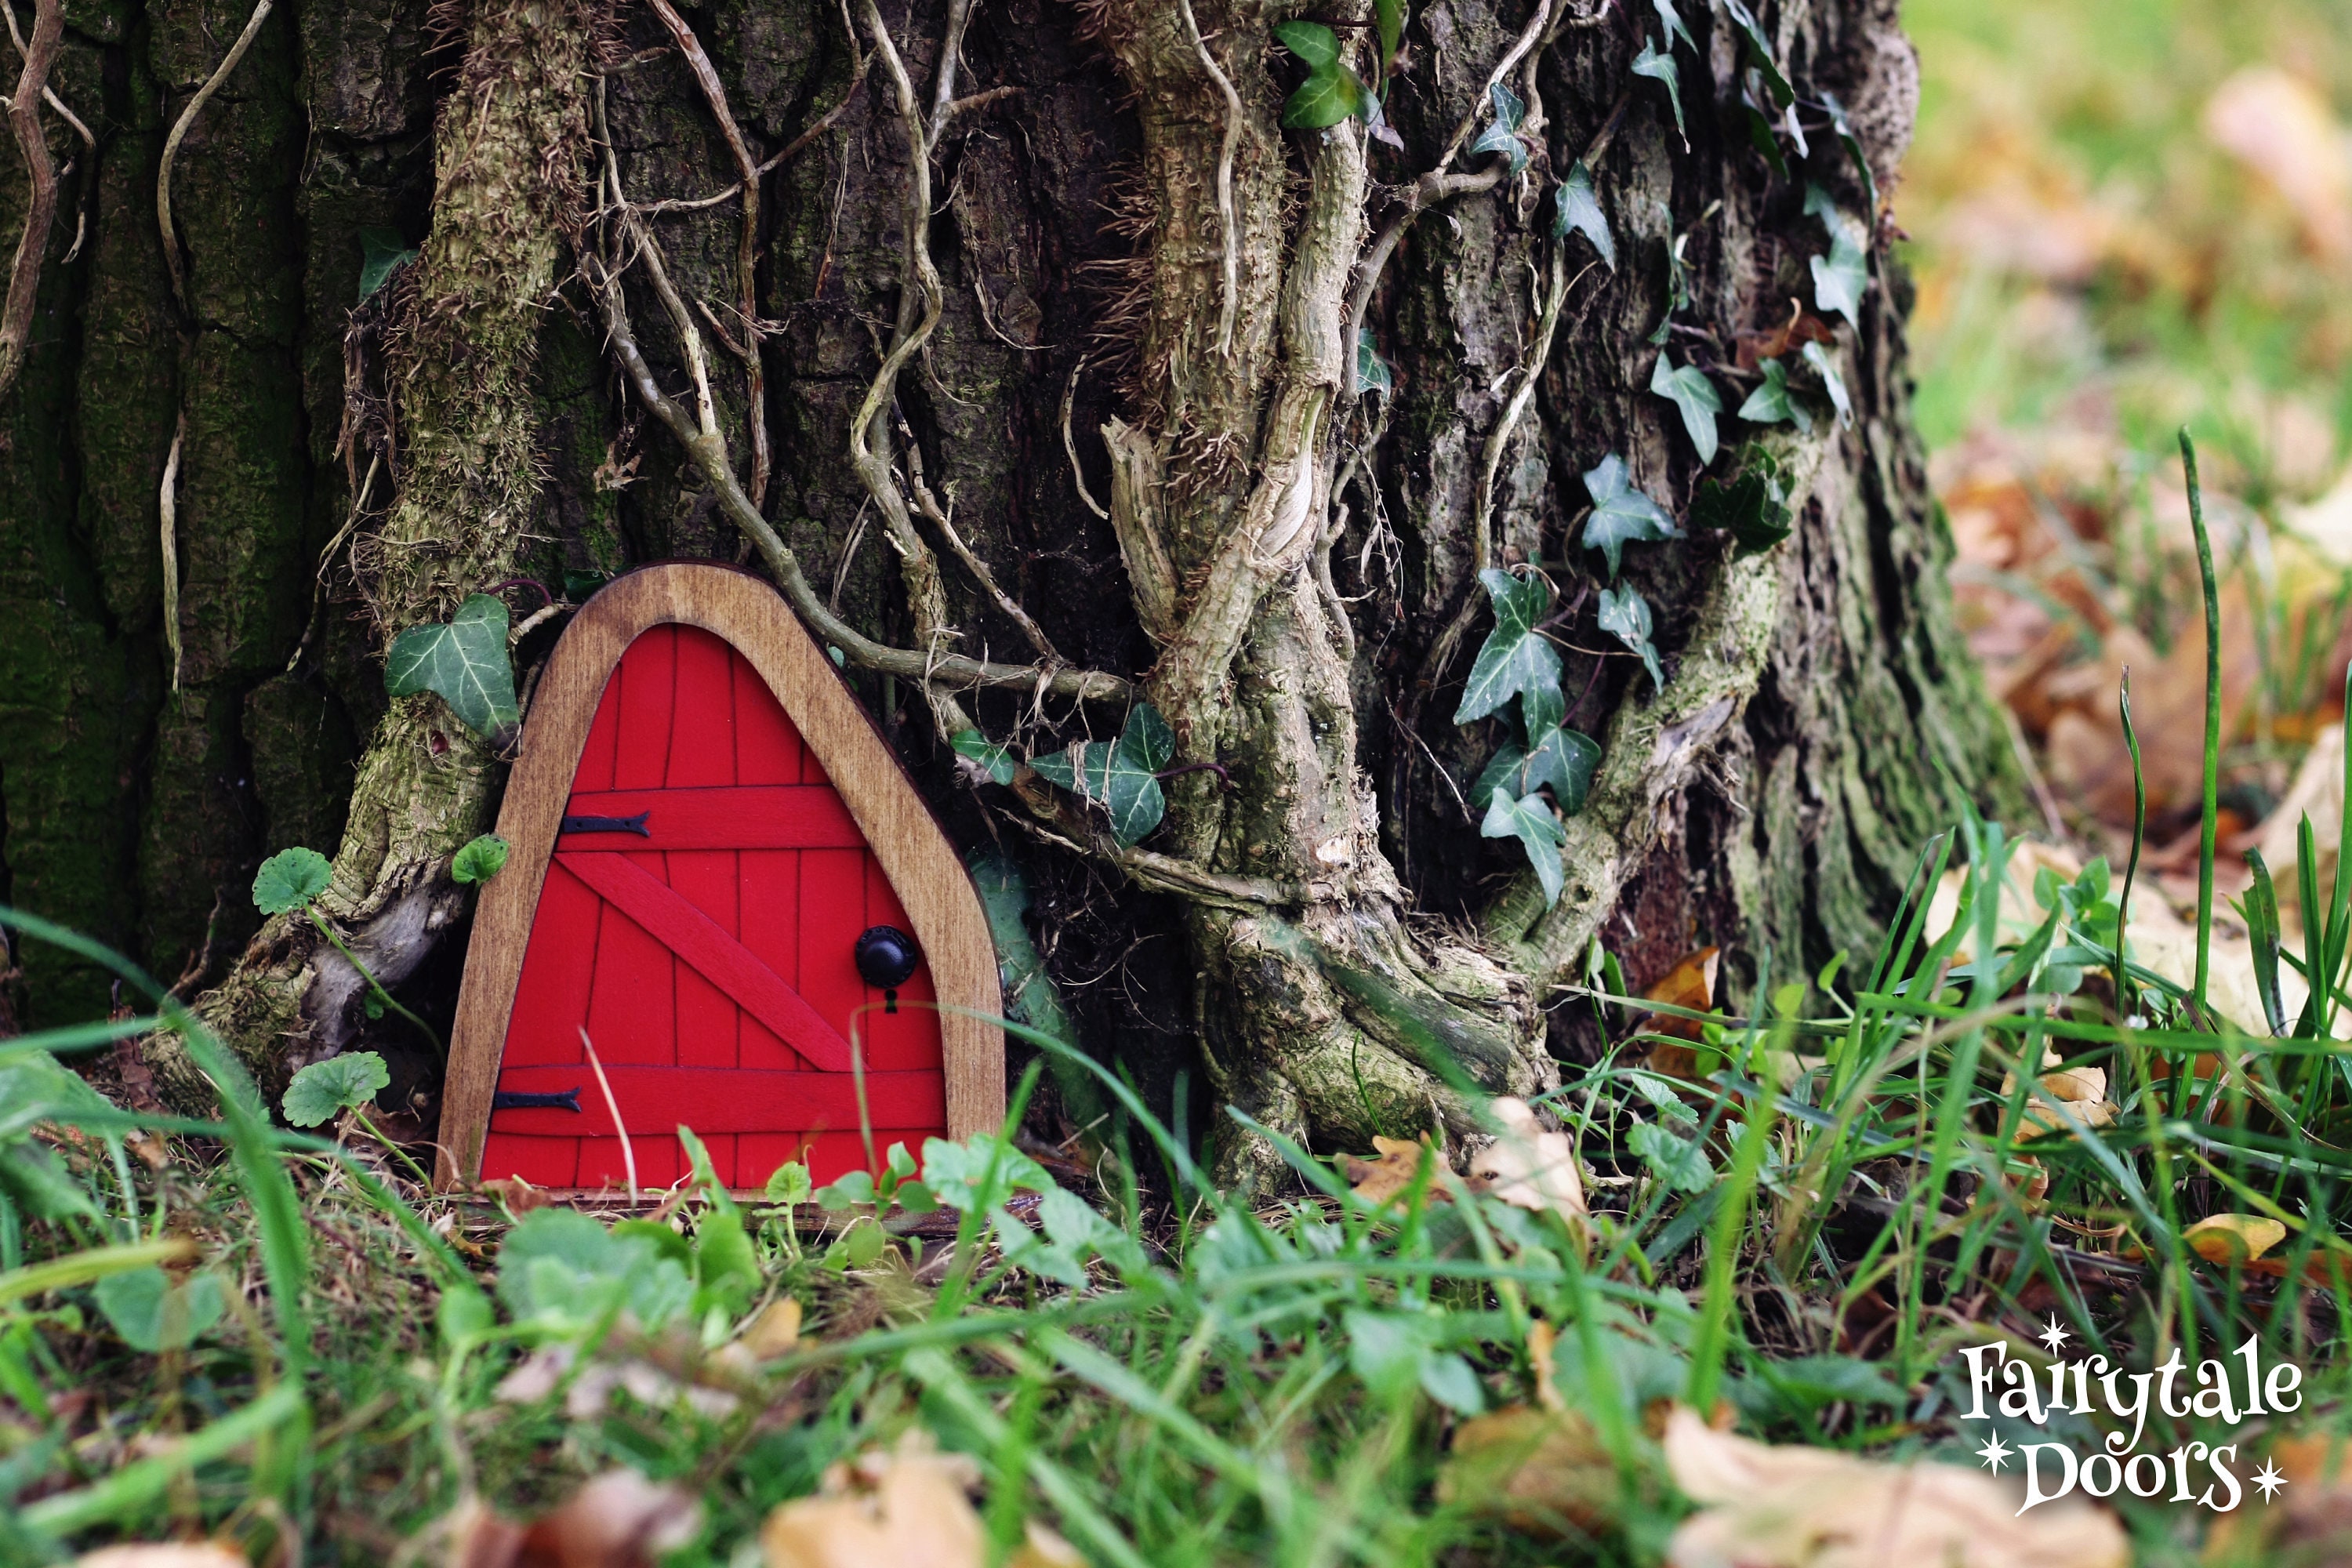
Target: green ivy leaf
153,1314
1619,512
1506,771
481,859
1844,129
289,879
1625,616
1658,65
465,662
1688,389
1146,738
1515,657
1372,374
1119,777
1325,99
1502,133
340,1083
1841,278
1673,23
1564,759
381,251
1760,50
994,760
1576,208
1317,45
1679,1162
1528,819
1760,137
1770,404
1388,19
1750,509
1832,382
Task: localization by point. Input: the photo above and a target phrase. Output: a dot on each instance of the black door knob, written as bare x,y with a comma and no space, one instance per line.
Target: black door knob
887,957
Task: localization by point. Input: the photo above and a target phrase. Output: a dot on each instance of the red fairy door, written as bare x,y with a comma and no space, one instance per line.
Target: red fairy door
699,920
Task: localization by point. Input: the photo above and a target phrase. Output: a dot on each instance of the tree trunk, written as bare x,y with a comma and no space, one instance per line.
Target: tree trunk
1099,412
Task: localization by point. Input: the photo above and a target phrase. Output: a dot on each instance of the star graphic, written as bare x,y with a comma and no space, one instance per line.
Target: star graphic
1994,1452
2053,1336
2269,1479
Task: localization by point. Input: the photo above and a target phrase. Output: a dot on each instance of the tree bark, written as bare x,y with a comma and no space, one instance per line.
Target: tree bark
1131,400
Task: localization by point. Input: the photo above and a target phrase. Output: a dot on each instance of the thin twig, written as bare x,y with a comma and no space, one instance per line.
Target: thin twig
167,507
942,519
40,211
714,92
1228,230
172,263
1070,445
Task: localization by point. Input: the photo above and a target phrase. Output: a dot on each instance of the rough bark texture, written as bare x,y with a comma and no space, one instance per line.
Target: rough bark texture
1819,718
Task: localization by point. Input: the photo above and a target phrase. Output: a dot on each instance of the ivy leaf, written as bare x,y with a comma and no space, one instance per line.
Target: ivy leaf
1841,278
290,879
1388,17
381,251
1770,403
1502,134
1750,509
464,660
1372,374
1625,616
1506,771
1576,208
1515,655
1673,23
1317,45
1659,66
481,859
1119,776
1832,382
1852,143
1620,512
1327,96
994,760
1564,759
1146,739
339,1083
1688,389
1679,1162
1759,136
154,1313
1528,819
1760,50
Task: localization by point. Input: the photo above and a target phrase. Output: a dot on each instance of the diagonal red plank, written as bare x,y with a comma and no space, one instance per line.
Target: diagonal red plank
703,944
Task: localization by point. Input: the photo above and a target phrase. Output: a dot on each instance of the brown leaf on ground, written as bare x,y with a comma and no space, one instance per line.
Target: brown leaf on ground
1690,983
907,1508
1528,1167
519,1196
2282,128
1787,1506
2082,1090
163,1554
619,1519
1392,1169
1041,1546
2228,1239
1536,1470
2309,1525
776,1330
1803,327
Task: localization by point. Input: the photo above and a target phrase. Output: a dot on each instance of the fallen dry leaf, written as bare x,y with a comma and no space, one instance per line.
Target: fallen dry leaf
2233,1237
2310,1524
619,1519
2280,127
909,1508
1690,983
2082,1090
1528,1167
1536,1470
1391,1171
163,1554
1041,1546
519,1196
1787,1506
776,1330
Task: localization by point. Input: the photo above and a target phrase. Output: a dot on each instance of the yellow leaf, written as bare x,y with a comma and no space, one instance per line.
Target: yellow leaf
1769,1507
2230,1238
776,1330
1527,1166
905,1509
1392,1169
1538,1470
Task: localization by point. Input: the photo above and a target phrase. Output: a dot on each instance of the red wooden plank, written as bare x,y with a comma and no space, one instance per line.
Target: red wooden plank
702,721
753,816
832,914
660,1162
648,698
541,1162
633,1002
706,1015
595,771
552,996
907,1039
711,1100
657,913
769,898
767,747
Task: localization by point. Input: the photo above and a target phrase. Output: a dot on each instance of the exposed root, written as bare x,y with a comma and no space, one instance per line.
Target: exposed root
172,262
40,210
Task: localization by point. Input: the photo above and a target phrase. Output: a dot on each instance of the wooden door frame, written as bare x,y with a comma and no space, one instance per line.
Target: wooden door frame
917,856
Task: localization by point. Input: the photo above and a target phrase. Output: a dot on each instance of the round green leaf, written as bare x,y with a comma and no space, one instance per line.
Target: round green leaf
322,1089
152,1313
290,879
